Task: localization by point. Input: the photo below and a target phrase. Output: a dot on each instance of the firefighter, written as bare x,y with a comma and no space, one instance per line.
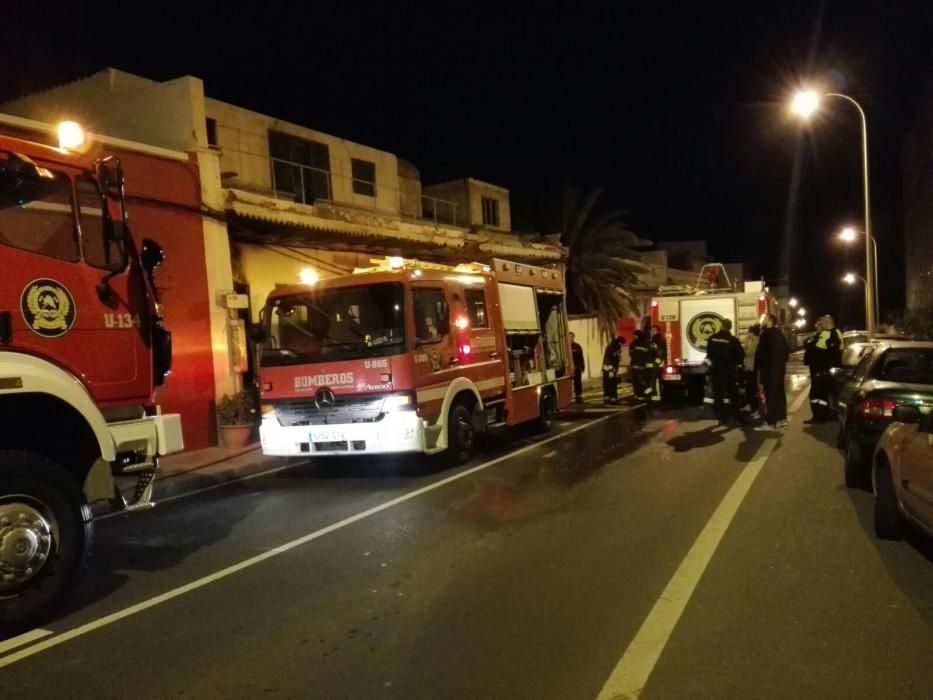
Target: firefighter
644,368
824,353
660,351
578,358
771,366
611,359
725,356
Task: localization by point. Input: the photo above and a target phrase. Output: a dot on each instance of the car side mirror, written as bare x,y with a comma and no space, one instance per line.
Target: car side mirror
907,414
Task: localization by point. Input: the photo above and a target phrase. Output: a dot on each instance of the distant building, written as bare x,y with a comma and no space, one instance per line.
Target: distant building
918,205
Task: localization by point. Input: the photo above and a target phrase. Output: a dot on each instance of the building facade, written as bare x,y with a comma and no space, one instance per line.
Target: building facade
918,206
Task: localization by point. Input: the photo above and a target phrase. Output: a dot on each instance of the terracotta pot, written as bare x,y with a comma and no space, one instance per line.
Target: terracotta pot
235,436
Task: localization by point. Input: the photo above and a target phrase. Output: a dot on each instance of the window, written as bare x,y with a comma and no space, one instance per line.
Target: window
431,315
907,366
364,177
300,168
36,214
344,323
490,211
108,255
476,307
211,132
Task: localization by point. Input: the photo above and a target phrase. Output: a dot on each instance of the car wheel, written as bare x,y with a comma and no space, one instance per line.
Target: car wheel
854,467
46,533
888,523
461,437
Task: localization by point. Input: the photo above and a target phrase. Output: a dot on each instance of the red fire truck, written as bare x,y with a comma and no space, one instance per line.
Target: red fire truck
82,347
688,316
409,357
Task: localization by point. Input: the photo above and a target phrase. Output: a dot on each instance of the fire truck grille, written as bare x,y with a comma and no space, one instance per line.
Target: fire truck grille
347,409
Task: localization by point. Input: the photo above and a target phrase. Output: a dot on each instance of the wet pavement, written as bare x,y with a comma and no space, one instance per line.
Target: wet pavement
526,574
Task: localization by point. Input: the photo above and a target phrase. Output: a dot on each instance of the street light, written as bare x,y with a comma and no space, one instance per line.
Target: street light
804,104
801,312
850,277
849,235
792,302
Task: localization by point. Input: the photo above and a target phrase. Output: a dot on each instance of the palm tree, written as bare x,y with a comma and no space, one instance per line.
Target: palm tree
602,267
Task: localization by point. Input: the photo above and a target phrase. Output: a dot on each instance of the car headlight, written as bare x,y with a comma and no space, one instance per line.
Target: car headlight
398,402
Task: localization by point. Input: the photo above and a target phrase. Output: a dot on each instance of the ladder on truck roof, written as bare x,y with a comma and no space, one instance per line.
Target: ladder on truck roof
711,278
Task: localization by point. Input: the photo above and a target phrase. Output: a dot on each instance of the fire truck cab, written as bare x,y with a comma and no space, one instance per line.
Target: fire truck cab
82,348
412,357
688,316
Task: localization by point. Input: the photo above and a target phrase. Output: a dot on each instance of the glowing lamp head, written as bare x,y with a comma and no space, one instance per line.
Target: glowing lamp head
801,312
308,276
462,323
654,304
70,136
848,234
805,103
396,262
792,302
849,278
466,350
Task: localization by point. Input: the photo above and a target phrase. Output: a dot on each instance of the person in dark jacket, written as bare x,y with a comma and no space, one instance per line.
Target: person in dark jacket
824,353
611,359
644,367
726,356
579,365
770,366
661,359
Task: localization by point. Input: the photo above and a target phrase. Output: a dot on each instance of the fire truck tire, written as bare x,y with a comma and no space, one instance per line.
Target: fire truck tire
46,533
461,436
545,420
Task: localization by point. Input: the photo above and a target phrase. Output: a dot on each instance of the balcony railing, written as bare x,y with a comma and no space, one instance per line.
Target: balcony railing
304,184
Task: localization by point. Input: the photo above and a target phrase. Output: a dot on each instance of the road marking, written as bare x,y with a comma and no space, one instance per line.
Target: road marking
23,639
269,554
630,675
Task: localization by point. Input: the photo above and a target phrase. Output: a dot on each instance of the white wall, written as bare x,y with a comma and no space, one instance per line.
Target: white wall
588,336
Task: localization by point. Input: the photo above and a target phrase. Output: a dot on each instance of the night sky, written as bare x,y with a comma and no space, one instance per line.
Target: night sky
676,109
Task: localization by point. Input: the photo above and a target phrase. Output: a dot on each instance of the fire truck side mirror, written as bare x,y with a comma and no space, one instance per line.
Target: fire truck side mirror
151,255
257,334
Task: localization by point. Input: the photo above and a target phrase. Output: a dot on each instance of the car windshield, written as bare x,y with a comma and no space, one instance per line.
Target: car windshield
907,366
323,325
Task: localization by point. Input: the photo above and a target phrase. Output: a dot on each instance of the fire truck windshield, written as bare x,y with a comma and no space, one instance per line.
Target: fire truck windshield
323,325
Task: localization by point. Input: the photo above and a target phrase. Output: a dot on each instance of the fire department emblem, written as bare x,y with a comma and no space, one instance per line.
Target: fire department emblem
701,327
48,308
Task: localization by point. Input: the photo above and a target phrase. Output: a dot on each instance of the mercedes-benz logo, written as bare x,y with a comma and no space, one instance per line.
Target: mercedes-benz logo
324,398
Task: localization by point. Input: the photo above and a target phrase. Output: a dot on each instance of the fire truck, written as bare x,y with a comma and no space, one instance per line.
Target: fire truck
409,357
82,347
689,315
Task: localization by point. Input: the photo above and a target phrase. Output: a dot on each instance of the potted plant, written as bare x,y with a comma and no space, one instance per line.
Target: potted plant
236,417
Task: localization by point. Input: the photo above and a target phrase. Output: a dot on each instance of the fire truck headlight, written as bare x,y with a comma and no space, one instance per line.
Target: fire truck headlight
398,402
267,411
70,135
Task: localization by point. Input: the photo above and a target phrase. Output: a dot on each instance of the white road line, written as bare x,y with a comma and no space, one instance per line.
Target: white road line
630,675
23,639
281,549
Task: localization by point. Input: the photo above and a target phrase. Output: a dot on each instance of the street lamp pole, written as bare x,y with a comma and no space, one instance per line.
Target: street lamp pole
870,255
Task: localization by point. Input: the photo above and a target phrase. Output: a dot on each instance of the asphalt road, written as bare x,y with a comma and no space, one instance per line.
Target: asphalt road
664,557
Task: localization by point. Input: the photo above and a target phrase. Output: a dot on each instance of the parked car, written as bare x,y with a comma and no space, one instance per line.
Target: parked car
853,337
851,356
902,476
890,374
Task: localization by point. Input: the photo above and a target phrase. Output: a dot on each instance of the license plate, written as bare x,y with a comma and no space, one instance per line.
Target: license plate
672,377
327,436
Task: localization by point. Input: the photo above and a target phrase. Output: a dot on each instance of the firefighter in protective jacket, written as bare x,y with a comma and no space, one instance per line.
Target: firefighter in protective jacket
611,359
645,362
725,356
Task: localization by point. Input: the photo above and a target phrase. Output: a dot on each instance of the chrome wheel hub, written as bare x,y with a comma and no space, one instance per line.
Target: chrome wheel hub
26,541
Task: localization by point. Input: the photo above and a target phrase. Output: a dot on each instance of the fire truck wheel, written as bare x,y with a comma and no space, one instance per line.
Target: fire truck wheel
545,420
46,533
461,437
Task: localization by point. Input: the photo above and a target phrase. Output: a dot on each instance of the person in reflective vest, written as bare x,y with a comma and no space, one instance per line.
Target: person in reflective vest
824,354
645,378
611,359
725,356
